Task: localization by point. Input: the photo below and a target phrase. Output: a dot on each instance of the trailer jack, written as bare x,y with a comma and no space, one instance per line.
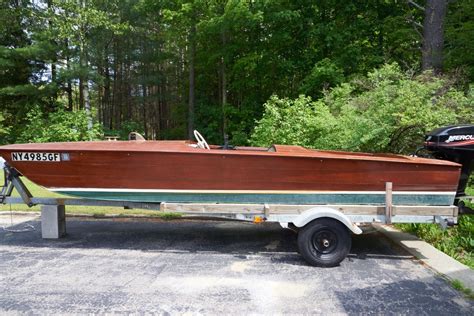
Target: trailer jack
12,181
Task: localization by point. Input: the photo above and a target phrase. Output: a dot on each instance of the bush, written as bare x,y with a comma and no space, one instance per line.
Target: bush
3,129
324,74
386,111
58,126
297,122
457,242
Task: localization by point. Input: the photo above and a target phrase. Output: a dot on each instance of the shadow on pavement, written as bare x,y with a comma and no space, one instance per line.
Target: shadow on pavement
190,236
424,296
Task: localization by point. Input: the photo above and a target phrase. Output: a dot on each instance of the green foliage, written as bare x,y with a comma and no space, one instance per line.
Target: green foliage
298,122
168,216
178,113
58,126
470,186
387,111
325,74
458,285
22,63
135,58
239,124
125,129
457,242
459,38
3,129
76,21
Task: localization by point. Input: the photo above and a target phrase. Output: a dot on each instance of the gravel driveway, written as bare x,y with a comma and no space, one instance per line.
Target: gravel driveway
209,267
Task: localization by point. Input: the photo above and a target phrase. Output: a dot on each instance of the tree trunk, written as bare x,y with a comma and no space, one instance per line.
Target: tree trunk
224,95
81,93
87,106
433,35
192,54
223,85
84,88
145,125
106,98
70,105
128,86
115,94
117,86
53,61
69,81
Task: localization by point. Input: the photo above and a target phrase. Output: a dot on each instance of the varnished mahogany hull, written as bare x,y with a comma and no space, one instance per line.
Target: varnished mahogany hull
183,174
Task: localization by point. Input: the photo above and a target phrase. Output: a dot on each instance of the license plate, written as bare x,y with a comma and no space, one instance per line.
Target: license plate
47,157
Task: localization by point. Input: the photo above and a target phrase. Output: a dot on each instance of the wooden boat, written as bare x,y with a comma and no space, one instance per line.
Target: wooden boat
181,171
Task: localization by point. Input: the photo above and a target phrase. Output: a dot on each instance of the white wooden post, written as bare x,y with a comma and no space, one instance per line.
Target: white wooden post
388,203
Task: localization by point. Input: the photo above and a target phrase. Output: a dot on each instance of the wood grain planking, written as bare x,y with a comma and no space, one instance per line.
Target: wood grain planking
298,209
175,165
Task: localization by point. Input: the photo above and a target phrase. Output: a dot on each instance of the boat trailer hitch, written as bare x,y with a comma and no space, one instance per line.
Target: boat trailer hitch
12,181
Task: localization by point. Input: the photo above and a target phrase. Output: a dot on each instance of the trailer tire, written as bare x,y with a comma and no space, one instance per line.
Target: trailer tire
324,242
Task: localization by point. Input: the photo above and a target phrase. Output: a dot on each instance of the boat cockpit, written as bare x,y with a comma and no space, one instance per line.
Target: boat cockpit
202,143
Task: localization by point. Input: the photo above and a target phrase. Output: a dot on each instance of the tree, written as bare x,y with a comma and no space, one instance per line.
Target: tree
459,39
23,70
433,35
167,67
434,14
76,23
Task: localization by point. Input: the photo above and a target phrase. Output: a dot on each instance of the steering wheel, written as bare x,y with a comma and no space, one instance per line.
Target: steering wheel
201,142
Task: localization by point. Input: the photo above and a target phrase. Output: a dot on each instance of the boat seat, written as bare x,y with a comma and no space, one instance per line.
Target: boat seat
135,136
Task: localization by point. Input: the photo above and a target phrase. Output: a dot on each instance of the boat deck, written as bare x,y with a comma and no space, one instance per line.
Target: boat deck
189,147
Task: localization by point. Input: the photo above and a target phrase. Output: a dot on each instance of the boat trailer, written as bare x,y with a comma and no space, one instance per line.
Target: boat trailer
307,220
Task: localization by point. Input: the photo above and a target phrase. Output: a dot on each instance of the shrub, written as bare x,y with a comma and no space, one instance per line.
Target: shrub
3,129
324,74
298,122
58,126
386,111
457,242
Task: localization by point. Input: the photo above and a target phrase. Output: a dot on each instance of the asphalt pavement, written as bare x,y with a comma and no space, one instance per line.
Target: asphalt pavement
208,267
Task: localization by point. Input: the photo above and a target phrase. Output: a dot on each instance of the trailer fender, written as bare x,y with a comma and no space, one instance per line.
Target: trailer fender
320,212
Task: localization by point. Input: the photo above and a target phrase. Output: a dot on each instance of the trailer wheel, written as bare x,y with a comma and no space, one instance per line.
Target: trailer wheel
324,242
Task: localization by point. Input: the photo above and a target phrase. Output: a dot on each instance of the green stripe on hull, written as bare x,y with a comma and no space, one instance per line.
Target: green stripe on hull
320,198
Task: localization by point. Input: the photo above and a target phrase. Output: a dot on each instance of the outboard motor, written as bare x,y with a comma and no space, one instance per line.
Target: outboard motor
454,143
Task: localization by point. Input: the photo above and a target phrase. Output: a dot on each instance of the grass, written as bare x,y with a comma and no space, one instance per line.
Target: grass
470,191
457,242
96,211
460,287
